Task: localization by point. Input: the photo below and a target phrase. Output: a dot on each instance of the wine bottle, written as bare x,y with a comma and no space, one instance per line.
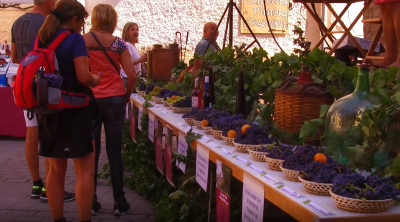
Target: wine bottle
206,96
211,85
196,95
241,97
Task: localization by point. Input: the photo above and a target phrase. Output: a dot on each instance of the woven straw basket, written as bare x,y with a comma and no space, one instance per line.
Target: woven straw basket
244,148
257,156
207,129
165,103
217,134
291,109
170,104
189,121
141,93
228,141
181,109
157,99
292,175
361,206
321,189
274,164
197,124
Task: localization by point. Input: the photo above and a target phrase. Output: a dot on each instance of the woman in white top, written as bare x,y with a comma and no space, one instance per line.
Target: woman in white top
130,34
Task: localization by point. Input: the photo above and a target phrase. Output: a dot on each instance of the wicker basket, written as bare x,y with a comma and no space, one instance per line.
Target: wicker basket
207,129
165,103
291,109
181,109
274,164
157,100
321,189
361,206
217,134
170,104
141,93
228,141
292,175
257,155
189,121
244,148
197,124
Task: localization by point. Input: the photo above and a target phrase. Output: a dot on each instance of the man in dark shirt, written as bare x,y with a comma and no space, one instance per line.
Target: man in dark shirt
208,30
23,32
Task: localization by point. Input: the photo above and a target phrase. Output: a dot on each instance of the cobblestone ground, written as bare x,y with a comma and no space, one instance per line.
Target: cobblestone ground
16,186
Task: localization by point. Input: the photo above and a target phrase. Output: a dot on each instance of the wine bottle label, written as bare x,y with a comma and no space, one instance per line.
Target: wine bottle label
195,102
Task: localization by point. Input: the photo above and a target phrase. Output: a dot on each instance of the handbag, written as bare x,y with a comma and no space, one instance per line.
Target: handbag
104,51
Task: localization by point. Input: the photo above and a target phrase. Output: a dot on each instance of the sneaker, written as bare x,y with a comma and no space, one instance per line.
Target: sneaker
67,196
36,191
96,208
121,208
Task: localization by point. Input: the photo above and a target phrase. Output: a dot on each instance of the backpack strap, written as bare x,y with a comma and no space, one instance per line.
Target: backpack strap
57,41
36,45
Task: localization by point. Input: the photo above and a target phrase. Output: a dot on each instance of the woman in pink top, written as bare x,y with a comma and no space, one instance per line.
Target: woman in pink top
107,53
391,31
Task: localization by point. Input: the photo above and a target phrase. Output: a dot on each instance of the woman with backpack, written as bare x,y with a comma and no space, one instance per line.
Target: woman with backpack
107,54
68,133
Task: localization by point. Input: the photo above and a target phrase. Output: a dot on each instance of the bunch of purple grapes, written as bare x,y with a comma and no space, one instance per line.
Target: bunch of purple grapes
301,156
150,87
371,188
280,152
254,135
214,117
187,102
142,86
191,114
223,121
234,122
169,93
323,173
202,113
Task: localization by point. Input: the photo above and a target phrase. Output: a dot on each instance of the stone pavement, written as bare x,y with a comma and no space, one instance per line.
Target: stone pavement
16,186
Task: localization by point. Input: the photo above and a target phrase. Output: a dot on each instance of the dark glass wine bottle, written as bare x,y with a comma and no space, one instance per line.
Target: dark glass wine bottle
206,95
196,95
241,97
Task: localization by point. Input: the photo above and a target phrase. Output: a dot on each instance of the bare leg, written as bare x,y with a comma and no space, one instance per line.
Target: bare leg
394,9
31,152
84,190
390,36
55,186
46,166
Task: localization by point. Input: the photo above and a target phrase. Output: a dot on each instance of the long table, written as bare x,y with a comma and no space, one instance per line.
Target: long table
294,199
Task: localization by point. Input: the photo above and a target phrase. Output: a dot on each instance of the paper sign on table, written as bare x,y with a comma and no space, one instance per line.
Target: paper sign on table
270,178
202,166
168,156
288,191
182,149
222,191
256,169
316,208
158,149
253,200
140,117
151,127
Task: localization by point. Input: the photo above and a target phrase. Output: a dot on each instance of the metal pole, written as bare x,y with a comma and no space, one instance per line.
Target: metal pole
231,3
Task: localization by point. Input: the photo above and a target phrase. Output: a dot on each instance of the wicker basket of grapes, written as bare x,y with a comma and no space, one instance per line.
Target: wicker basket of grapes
217,134
259,153
292,175
169,104
158,100
207,129
189,121
228,141
251,137
274,164
321,189
165,103
197,124
355,193
141,93
276,156
244,148
297,160
181,109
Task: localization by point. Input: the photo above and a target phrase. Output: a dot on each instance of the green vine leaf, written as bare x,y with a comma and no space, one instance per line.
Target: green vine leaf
310,128
323,110
178,195
192,136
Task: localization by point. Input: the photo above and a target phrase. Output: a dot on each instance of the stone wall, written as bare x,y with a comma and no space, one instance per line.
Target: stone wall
8,16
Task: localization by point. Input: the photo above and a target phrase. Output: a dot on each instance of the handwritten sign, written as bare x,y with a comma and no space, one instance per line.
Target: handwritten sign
222,191
182,149
202,166
316,208
151,127
253,200
254,13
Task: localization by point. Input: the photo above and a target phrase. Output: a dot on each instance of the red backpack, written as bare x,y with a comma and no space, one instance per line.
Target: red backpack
37,85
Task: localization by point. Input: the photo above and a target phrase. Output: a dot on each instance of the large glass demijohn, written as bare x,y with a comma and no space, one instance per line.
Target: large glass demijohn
343,116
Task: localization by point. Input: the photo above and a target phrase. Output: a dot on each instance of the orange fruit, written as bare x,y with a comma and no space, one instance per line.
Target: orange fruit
244,128
204,123
320,157
173,97
231,134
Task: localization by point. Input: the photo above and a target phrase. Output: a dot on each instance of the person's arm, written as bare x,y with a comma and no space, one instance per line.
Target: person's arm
14,54
142,58
126,63
82,72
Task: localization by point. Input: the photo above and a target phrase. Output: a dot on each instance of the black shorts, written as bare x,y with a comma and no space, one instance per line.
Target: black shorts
67,134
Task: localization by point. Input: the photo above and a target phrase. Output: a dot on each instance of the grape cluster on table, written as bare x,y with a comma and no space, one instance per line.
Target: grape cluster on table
254,135
201,114
280,152
191,114
357,187
142,86
164,93
186,102
323,173
301,156
234,122
215,116
150,87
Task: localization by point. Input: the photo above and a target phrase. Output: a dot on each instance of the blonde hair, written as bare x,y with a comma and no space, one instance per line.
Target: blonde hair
104,17
125,31
64,12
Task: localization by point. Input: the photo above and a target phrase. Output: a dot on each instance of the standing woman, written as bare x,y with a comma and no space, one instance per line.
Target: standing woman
107,53
68,134
130,34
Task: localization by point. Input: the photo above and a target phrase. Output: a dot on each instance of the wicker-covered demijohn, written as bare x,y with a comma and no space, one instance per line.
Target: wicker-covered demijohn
292,175
321,189
361,206
274,164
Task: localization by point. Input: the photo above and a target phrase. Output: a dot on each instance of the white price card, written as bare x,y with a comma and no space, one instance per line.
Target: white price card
151,127
317,209
240,159
256,169
253,200
182,149
202,166
226,151
206,139
140,117
214,145
271,178
288,191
